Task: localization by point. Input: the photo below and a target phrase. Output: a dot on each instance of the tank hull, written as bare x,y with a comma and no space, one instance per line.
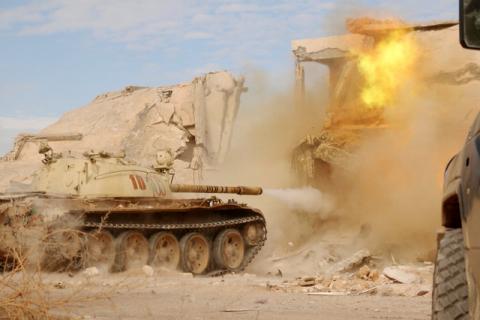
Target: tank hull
144,218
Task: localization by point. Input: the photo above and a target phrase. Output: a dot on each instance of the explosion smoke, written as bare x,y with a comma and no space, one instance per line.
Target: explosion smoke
308,200
386,68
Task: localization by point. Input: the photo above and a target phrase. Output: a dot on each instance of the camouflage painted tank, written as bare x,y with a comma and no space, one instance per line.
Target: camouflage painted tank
121,215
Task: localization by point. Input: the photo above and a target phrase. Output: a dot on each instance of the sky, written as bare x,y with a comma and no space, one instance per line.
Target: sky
56,55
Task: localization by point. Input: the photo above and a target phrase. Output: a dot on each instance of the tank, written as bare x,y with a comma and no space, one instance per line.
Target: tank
100,210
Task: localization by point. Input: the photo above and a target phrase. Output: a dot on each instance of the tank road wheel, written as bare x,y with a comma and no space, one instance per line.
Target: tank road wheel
164,250
229,249
100,249
131,251
195,253
450,291
253,233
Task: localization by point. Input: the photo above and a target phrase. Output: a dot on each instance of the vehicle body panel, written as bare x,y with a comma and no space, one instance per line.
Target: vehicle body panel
461,207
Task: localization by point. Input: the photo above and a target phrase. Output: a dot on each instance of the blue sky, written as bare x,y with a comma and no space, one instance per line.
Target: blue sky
59,54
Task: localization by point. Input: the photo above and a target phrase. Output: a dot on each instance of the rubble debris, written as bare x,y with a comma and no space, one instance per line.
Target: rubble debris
401,275
356,260
422,292
372,290
307,281
147,270
366,273
363,272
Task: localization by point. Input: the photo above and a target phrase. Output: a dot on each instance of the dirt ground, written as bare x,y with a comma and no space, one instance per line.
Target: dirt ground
180,296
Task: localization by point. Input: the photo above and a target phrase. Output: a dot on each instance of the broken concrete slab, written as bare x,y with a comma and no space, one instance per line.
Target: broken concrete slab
355,261
401,275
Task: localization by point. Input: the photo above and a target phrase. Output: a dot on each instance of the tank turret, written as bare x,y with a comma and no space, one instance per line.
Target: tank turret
106,175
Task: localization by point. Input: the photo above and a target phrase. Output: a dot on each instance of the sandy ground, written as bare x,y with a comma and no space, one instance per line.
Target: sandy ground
136,296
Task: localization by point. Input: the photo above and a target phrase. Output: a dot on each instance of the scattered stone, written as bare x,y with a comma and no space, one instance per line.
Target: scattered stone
279,273
356,260
186,274
363,272
422,292
275,287
261,301
400,275
374,275
59,285
366,273
91,272
148,270
307,282
370,291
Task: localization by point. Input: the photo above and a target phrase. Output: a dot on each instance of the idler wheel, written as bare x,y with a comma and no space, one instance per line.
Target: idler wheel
195,253
131,251
100,249
253,233
229,249
164,250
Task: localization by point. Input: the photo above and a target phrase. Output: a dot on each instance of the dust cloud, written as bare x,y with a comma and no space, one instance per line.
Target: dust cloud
387,196
307,199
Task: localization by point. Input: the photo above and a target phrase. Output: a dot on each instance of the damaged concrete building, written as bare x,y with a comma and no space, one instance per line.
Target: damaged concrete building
339,54
444,62
194,120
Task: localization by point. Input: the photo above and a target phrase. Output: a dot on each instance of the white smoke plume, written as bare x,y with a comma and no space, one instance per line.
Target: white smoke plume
308,200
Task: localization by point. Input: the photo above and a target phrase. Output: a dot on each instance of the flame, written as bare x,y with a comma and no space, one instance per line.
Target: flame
386,67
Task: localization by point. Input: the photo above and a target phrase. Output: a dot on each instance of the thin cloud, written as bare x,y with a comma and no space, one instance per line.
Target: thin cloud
198,35
161,23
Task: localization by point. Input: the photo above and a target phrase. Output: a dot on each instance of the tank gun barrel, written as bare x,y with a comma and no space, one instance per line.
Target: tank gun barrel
216,189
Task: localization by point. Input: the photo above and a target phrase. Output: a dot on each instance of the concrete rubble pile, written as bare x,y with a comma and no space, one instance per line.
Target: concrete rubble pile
364,281
194,120
355,274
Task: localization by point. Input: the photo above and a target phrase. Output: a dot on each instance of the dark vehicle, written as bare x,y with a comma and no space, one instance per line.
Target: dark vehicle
456,280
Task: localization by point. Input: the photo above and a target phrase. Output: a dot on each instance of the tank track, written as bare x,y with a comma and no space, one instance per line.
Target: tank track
250,255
